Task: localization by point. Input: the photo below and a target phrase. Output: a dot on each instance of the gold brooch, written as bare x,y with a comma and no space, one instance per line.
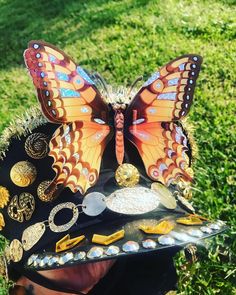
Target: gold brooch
161,228
23,173
67,243
127,175
36,145
4,196
107,240
41,189
2,222
16,250
22,207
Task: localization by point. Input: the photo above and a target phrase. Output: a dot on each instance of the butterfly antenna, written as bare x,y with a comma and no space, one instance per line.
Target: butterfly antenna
102,82
134,83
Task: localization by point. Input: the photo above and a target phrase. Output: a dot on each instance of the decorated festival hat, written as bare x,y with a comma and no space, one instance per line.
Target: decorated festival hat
97,174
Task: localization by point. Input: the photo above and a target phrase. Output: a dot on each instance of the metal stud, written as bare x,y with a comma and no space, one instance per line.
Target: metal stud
214,226
130,246
183,237
53,260
166,240
112,250
206,229
149,244
31,259
44,261
95,252
79,255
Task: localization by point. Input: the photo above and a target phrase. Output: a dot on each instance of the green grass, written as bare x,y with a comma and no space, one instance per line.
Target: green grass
125,39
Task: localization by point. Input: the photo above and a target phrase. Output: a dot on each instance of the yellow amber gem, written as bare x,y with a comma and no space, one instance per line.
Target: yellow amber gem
189,220
67,243
107,240
161,228
127,175
4,196
2,222
23,173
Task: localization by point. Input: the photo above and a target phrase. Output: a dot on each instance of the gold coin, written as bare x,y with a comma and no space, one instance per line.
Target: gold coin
36,145
165,196
4,196
40,191
23,173
16,250
127,175
2,222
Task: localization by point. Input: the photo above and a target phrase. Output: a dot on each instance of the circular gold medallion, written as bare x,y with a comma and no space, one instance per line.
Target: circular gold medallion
40,191
2,222
36,145
23,173
165,196
16,250
4,196
127,175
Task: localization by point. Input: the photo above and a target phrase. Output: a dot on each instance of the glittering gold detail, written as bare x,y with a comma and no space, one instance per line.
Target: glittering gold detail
3,267
127,175
16,250
23,173
161,228
37,145
4,196
2,221
67,243
32,234
41,189
21,207
22,125
107,240
189,220
185,187
190,252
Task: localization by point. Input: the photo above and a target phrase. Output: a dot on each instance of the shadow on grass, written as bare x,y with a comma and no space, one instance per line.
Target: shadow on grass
55,21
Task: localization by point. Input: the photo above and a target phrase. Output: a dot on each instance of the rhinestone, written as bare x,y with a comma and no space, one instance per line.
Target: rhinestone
44,261
31,259
79,256
53,260
166,240
93,204
183,237
195,232
95,252
206,229
214,226
220,222
65,258
149,244
36,262
130,246
112,250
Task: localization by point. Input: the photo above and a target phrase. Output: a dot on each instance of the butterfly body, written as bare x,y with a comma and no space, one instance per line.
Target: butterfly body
69,96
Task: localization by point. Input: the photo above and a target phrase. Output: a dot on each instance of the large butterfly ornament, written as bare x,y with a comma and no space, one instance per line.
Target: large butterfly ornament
68,96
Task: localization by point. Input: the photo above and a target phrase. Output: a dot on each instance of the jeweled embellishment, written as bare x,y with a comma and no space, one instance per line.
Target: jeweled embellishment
23,173
130,247
149,244
16,250
165,196
127,175
112,250
2,222
32,234
79,256
95,252
36,145
65,258
195,232
166,240
4,196
41,189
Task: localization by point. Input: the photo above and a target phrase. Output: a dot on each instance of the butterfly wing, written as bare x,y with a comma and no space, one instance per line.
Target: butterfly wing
164,98
69,96
65,91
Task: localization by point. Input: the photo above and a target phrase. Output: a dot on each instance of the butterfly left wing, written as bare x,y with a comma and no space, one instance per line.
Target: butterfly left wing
165,97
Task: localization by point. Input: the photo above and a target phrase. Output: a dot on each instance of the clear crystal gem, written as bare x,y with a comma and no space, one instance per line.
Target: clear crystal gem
195,232
214,226
112,250
149,244
95,252
130,246
53,260
206,229
166,240
79,255
66,257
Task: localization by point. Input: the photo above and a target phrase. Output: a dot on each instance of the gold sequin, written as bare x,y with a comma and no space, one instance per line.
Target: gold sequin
23,173
2,222
4,196
36,145
16,250
41,189
127,175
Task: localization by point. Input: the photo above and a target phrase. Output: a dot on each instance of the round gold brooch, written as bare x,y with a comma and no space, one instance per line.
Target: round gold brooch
36,145
16,250
23,173
127,175
40,192
4,196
